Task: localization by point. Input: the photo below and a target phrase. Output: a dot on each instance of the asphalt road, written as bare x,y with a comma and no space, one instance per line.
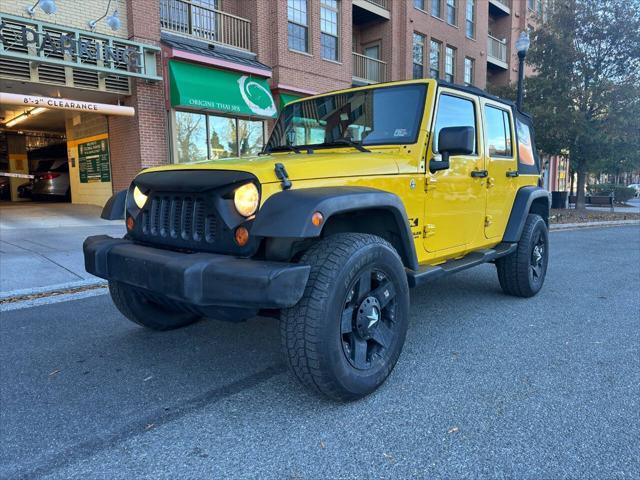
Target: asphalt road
487,386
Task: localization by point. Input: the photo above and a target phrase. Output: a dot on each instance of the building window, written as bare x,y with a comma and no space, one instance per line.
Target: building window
436,8
298,27
419,4
469,70
471,18
498,132
191,137
451,12
450,64
435,52
202,137
539,7
329,29
418,55
531,4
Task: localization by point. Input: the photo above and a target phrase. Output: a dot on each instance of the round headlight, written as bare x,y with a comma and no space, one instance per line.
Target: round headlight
139,197
246,199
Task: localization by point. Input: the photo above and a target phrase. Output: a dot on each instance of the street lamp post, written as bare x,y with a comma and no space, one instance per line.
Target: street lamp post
522,46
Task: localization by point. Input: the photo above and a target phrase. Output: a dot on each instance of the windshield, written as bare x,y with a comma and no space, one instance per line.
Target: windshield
378,116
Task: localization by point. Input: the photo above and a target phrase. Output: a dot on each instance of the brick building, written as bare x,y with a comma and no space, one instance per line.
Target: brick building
217,71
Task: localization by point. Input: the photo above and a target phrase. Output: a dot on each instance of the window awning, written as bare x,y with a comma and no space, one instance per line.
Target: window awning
286,98
195,86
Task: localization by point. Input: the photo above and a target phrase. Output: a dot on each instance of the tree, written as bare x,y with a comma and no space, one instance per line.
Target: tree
584,95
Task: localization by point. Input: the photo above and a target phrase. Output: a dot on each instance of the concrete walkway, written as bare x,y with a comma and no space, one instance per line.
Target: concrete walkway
41,245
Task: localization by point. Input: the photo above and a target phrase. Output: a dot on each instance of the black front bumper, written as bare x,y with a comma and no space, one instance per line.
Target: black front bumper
200,279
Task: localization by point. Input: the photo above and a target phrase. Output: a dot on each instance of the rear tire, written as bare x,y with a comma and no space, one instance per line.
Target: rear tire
522,272
136,307
345,335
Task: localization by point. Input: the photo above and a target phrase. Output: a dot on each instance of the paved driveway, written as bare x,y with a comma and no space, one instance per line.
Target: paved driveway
487,386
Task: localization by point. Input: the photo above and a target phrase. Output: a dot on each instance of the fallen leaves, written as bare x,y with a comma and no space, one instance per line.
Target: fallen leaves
453,430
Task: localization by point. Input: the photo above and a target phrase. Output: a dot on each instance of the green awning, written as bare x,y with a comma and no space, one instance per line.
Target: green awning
288,98
224,91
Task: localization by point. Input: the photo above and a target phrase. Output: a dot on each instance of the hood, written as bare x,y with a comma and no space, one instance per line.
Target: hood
301,166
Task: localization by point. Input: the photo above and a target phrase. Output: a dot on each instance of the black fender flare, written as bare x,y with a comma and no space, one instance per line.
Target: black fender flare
521,208
115,206
287,214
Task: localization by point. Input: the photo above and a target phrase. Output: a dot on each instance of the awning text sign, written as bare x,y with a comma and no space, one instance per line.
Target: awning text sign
28,101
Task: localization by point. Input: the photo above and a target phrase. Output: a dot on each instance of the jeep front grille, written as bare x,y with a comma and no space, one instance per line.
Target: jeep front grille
178,219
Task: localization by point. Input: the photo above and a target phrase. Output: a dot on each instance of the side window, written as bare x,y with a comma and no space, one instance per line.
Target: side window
454,112
498,128
526,157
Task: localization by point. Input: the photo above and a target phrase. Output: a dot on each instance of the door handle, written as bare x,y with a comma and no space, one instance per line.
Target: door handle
513,174
479,173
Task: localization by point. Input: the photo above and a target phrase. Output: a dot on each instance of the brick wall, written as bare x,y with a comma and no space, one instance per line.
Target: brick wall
141,141
311,72
74,13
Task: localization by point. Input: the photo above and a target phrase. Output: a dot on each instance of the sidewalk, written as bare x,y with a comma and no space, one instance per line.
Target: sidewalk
41,245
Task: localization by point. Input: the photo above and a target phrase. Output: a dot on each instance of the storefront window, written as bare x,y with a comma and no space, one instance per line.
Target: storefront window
191,137
251,137
227,137
222,137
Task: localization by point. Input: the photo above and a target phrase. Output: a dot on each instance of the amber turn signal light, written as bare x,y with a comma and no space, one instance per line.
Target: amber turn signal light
130,223
242,236
317,219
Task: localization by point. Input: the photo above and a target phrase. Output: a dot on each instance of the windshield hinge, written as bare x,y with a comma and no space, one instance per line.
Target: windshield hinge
281,173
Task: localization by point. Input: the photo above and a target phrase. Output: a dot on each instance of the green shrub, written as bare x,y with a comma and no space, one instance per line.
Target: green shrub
621,194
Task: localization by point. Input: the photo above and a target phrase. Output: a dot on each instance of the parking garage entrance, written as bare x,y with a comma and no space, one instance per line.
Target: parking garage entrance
54,149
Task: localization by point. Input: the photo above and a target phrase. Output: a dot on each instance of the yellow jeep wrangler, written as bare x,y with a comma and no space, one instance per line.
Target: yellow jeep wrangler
358,195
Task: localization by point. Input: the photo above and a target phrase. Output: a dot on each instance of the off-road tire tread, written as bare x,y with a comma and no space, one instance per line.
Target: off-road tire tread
119,296
513,270
298,327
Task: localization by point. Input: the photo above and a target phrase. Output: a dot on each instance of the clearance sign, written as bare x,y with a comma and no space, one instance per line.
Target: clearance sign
28,101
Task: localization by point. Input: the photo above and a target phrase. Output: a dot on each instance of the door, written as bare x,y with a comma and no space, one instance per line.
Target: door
373,68
455,198
501,166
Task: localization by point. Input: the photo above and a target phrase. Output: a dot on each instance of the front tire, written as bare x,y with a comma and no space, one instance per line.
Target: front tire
522,272
138,308
345,335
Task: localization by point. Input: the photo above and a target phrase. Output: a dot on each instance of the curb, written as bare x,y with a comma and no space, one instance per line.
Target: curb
57,289
608,223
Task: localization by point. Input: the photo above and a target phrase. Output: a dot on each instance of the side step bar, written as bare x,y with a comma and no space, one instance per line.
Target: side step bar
432,272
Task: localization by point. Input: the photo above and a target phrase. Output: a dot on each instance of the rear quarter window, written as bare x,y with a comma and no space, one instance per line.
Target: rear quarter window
527,162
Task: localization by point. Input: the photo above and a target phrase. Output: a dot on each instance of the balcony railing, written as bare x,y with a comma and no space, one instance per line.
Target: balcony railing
370,70
183,16
506,3
380,3
497,49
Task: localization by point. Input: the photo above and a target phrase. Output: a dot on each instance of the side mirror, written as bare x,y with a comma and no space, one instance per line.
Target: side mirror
453,141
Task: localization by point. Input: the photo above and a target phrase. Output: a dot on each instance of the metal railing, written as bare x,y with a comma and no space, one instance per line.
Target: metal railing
184,16
380,3
506,3
497,48
369,69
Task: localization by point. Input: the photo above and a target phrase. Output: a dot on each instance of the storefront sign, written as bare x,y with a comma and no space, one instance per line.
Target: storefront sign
93,161
26,39
64,104
199,87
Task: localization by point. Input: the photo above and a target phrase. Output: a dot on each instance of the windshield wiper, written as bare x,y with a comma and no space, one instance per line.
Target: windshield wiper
351,143
279,148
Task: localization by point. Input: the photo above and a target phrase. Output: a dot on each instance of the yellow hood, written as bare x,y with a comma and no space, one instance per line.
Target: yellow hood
301,166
